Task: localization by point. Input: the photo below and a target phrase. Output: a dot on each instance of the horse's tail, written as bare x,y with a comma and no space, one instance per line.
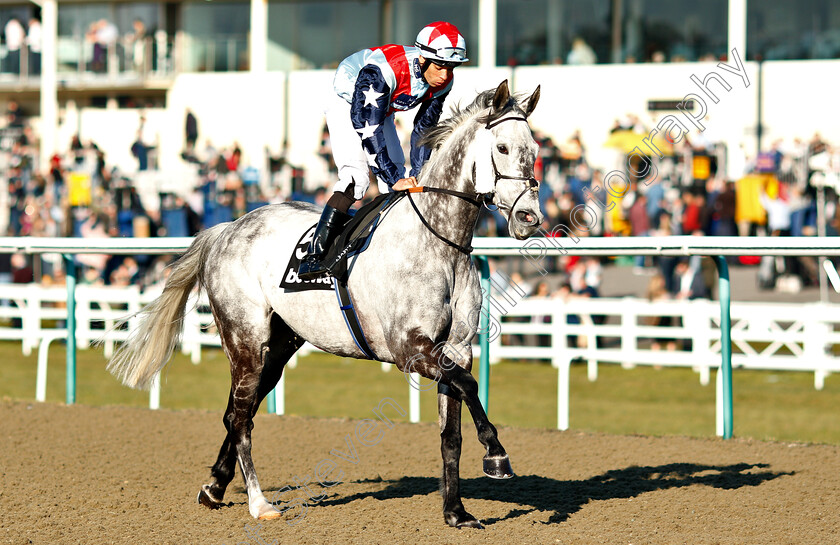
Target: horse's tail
149,347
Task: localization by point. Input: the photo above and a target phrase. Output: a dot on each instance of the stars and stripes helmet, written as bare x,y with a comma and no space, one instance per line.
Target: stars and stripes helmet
442,43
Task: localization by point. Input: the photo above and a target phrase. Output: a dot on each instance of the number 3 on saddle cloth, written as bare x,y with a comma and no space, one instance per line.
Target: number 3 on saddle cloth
352,241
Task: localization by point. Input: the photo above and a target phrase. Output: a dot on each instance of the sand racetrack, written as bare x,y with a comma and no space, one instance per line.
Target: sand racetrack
125,475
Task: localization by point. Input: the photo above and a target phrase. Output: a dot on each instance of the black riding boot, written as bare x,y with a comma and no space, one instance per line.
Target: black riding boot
329,227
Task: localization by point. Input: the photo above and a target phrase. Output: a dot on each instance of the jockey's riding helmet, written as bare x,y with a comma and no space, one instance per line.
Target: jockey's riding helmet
442,44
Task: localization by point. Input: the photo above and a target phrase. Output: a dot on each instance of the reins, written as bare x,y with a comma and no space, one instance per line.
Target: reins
424,189
470,198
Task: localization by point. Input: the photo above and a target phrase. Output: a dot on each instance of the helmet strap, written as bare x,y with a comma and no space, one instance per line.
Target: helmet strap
426,64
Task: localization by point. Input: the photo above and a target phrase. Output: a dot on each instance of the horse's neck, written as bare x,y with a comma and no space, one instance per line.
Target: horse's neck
452,217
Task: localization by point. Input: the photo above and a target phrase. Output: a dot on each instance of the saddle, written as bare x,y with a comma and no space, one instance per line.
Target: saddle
357,234
353,240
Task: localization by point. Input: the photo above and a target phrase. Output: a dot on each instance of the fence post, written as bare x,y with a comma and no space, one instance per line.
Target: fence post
697,321
719,427
41,375
484,335
280,395
271,400
83,318
414,399
591,346
725,345
31,318
628,337
191,335
563,362
70,273
563,371
816,331
276,398
154,393
108,343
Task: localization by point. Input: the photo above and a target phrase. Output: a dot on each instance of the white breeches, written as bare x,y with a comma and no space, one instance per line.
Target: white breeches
350,157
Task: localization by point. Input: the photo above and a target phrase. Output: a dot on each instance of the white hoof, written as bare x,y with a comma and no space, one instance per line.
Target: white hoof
260,509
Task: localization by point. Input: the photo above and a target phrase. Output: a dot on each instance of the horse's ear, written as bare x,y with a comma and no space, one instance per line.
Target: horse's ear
532,102
501,98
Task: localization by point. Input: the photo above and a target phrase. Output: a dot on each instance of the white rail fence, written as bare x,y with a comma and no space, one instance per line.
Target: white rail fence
791,337
36,316
534,250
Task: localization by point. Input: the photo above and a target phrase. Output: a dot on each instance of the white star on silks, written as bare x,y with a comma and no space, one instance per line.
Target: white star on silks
367,131
372,97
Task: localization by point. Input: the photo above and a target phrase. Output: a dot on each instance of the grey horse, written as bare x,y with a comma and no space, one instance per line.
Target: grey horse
414,288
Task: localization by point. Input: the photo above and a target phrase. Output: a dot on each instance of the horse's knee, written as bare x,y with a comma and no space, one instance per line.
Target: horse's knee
462,380
451,394
450,439
241,426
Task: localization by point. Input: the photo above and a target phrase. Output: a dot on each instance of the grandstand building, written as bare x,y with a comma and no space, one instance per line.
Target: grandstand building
254,72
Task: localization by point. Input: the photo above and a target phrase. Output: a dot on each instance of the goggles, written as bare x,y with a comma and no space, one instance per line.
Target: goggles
444,64
449,57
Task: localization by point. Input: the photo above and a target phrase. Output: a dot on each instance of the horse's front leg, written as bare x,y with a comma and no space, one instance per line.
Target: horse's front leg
449,408
434,364
496,462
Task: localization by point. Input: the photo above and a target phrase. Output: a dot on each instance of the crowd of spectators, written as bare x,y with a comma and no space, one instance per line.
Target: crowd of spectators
82,195
23,46
581,53
774,194
134,49
689,194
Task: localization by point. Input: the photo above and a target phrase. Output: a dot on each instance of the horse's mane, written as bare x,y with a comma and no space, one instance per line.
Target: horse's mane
437,135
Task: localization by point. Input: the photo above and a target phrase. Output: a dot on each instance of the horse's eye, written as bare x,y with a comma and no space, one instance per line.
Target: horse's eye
502,149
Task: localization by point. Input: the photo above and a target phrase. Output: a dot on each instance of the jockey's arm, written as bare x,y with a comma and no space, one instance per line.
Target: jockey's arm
426,118
368,110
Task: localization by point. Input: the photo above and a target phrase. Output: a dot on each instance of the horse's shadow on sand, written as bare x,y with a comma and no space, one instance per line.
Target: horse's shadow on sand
563,498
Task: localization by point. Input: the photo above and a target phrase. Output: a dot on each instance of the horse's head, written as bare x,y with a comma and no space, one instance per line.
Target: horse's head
505,153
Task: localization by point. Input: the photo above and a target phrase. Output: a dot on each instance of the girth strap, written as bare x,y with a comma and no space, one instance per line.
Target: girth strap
345,303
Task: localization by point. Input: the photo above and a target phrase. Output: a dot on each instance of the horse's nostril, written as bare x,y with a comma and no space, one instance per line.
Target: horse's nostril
526,217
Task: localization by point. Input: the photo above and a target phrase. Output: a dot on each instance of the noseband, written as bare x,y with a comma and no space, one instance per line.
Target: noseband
476,199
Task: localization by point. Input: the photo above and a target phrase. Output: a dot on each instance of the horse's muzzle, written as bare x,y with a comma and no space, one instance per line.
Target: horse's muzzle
524,222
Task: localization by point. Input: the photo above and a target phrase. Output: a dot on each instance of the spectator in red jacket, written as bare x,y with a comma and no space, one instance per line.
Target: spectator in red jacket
692,211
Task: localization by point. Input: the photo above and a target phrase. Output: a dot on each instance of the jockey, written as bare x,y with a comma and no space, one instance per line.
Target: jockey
370,86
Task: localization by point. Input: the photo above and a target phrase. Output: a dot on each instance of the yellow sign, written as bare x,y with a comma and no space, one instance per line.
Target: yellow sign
701,167
79,189
748,198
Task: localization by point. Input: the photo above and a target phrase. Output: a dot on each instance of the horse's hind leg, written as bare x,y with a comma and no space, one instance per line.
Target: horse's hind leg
252,378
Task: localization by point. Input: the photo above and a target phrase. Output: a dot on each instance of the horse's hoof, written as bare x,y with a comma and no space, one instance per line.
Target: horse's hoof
498,467
204,498
474,523
270,514
462,519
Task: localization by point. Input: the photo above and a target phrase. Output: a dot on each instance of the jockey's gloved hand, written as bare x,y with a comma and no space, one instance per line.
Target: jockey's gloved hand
405,183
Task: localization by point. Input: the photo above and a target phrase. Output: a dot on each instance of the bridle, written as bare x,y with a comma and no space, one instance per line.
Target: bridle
533,184
477,199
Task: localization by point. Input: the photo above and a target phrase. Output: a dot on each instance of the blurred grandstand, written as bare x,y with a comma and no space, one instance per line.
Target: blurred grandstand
127,76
